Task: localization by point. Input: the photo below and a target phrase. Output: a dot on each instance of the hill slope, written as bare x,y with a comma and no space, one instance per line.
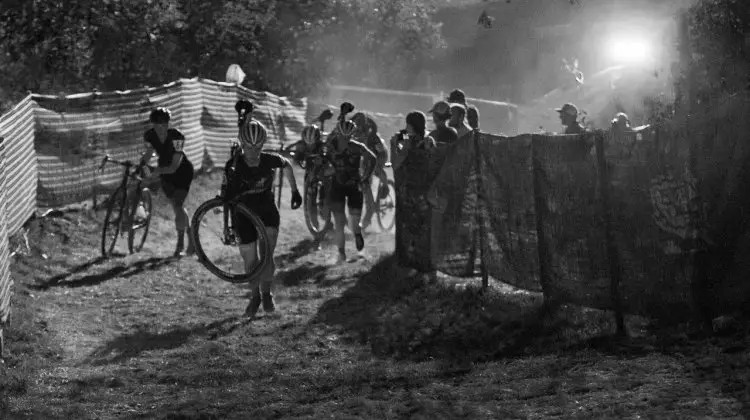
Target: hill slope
145,336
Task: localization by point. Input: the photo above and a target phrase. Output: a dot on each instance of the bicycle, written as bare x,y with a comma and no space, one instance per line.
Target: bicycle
141,201
385,203
317,181
227,204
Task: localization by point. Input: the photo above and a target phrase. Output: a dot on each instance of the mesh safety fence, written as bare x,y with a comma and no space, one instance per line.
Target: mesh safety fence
537,199
72,133
6,282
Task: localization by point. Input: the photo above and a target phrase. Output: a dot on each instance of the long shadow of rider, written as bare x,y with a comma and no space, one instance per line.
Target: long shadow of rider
122,271
134,343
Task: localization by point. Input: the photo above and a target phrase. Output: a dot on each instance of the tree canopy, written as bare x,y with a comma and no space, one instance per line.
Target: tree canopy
289,47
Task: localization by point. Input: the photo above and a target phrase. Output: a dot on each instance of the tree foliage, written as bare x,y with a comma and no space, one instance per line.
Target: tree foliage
718,49
289,47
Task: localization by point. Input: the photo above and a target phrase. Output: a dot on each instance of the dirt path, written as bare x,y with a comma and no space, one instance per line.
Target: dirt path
145,336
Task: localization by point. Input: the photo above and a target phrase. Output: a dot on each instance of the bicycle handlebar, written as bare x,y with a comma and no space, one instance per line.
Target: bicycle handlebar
126,163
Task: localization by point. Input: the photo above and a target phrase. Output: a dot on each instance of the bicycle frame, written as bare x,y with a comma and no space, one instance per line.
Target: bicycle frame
127,173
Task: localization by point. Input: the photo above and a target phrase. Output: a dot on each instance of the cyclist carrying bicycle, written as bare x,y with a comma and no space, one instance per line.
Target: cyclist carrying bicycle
174,169
311,142
349,157
254,172
367,133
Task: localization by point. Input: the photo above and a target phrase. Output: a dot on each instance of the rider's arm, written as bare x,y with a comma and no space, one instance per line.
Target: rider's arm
149,153
283,163
177,156
289,172
381,153
370,160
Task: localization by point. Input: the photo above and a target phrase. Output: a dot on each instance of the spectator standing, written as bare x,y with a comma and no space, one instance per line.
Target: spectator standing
568,114
414,154
457,96
458,121
443,133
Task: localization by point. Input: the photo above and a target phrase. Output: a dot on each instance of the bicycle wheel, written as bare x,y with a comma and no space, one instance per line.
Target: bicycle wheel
317,215
139,223
385,206
215,240
112,221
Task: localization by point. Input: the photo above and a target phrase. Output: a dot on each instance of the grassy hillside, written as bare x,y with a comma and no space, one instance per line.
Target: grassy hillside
147,336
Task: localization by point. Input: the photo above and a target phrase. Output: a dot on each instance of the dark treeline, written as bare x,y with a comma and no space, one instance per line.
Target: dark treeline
289,47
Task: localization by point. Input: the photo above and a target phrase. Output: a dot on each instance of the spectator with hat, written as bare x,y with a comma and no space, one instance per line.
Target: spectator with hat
443,133
457,96
569,119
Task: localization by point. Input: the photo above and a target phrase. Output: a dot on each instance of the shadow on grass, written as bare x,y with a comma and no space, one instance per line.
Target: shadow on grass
143,339
122,271
302,248
405,318
304,273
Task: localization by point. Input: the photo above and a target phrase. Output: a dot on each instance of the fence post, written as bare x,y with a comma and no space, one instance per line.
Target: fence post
613,258
281,179
479,215
540,208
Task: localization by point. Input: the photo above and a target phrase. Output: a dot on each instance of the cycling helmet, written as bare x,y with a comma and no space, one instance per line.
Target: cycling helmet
253,133
160,115
346,128
311,134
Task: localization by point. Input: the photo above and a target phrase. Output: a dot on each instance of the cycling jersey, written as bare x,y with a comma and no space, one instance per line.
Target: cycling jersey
347,160
256,180
258,183
174,143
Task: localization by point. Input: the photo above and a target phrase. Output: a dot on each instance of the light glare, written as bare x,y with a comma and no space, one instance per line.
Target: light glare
629,50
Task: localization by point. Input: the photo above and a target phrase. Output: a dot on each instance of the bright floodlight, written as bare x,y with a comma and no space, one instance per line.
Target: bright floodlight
629,50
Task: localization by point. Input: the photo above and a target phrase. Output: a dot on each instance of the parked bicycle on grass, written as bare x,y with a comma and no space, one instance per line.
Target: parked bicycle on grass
128,209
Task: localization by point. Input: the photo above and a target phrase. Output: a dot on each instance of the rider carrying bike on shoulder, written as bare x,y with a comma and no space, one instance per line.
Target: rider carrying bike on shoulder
254,171
174,169
347,184
367,133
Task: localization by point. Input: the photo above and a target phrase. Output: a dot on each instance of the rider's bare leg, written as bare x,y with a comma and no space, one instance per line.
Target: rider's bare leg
182,222
339,220
356,227
369,206
260,289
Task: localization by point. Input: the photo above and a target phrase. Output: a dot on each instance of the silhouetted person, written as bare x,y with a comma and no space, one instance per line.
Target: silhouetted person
457,96
443,133
569,119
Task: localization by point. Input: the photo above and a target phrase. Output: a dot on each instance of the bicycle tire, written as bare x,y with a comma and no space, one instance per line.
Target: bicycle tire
145,197
386,227
114,200
195,226
311,191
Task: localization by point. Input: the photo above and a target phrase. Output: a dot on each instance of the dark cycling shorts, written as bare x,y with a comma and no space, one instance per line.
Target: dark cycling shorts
176,194
263,206
341,196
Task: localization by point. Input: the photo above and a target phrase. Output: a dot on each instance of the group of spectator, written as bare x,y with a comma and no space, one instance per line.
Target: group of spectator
454,121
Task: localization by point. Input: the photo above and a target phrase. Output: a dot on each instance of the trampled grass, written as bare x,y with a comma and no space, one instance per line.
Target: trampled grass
146,336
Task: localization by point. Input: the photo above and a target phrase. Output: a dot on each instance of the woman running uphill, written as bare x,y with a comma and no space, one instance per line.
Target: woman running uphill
254,173
175,170
348,184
